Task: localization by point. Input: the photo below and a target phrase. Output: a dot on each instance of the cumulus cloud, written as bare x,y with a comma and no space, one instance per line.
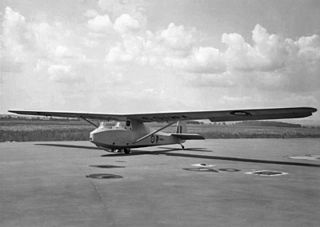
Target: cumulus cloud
270,62
270,52
309,47
63,52
125,23
16,41
169,47
134,8
267,53
131,49
200,60
15,35
28,43
119,54
177,37
100,23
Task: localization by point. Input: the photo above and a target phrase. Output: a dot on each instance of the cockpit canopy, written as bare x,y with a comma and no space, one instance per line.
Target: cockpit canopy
118,125
104,124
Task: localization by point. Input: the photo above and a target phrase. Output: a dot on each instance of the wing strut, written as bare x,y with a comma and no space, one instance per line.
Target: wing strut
90,122
155,131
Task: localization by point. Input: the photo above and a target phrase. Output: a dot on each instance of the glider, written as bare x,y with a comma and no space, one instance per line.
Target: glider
131,132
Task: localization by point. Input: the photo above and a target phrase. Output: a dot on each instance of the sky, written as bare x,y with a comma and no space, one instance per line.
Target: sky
146,56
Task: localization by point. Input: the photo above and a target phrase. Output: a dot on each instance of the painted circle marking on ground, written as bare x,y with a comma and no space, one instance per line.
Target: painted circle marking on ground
197,169
309,157
203,165
103,176
267,173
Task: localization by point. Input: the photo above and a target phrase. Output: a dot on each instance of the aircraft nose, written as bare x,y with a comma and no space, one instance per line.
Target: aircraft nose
101,136
92,135
95,135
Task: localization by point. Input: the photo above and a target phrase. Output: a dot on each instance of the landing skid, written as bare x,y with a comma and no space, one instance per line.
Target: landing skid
182,147
120,150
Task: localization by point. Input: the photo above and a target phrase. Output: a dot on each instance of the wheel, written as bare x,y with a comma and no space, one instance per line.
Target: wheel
126,150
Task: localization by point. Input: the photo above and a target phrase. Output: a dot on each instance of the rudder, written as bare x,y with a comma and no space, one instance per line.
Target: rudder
181,127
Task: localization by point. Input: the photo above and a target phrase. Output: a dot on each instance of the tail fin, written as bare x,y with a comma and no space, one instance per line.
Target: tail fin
182,134
181,127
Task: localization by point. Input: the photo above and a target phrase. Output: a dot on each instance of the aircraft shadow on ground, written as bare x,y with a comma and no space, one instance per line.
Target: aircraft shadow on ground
167,151
186,149
107,166
243,160
67,146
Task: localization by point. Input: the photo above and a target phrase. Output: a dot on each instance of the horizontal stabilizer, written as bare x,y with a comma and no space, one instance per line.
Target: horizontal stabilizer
188,136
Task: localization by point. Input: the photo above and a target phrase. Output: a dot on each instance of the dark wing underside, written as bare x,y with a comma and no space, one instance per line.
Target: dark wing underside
214,116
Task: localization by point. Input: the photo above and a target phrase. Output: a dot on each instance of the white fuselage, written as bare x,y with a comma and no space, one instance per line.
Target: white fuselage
126,136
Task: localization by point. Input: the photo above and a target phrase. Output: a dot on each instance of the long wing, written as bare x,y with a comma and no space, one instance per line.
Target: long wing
214,116
97,116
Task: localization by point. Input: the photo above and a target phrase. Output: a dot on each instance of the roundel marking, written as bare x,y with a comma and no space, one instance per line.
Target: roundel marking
152,138
240,113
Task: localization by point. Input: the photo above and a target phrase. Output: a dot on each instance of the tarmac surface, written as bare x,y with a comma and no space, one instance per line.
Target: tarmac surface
75,184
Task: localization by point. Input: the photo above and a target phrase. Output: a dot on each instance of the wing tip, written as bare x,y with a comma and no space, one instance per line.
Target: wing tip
13,111
313,110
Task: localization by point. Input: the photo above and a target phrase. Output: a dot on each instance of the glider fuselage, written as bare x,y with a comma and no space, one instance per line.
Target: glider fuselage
126,136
